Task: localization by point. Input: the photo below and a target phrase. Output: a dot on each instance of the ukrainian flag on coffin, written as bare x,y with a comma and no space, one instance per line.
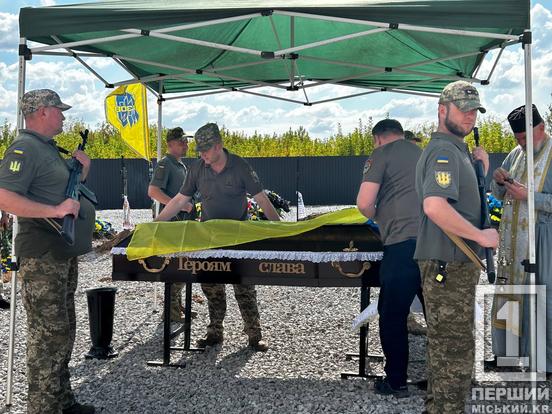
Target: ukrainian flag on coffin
126,110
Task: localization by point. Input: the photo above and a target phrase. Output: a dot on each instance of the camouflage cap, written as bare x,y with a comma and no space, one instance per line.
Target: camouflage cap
207,136
462,94
177,133
34,99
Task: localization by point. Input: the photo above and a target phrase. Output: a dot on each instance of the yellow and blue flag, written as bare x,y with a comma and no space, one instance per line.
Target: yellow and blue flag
126,110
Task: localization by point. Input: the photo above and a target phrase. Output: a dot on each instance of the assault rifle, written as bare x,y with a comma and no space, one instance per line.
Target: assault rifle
74,190
485,220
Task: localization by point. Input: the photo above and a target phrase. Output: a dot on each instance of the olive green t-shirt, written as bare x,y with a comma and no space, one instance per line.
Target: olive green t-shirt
445,170
223,195
33,168
169,175
393,166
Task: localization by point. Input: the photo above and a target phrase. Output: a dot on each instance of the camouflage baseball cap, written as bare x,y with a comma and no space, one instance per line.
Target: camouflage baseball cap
34,99
177,133
462,94
207,136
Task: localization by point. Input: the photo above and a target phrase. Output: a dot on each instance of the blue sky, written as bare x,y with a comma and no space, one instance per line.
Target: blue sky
247,113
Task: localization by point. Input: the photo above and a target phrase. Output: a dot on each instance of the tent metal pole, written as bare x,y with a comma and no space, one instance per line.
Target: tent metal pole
467,33
194,95
84,54
345,78
84,42
149,88
159,155
130,36
397,69
476,71
159,123
279,98
531,211
292,44
288,65
150,78
197,42
82,62
241,65
400,27
427,94
494,64
13,293
207,23
193,71
330,41
344,97
441,59
383,88
227,88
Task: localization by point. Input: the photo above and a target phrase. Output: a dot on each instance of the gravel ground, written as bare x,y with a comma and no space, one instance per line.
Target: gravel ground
308,330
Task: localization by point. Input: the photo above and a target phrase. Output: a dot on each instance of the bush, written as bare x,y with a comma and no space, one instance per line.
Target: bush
105,142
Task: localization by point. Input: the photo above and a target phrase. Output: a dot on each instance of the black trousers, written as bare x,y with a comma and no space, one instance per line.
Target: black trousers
400,283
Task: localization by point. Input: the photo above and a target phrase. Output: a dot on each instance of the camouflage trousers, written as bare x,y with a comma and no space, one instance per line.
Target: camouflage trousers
176,301
48,291
450,349
246,296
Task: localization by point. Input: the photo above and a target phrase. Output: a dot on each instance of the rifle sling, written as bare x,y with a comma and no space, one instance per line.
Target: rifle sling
467,250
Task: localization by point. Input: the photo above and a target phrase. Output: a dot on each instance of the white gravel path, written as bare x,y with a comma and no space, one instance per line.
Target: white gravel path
308,330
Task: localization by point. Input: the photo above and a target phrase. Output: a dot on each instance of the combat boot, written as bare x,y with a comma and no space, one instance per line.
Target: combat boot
258,344
382,387
79,408
210,339
415,327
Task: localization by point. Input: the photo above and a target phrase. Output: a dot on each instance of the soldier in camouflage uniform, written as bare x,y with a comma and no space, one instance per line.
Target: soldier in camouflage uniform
447,188
223,179
168,177
33,177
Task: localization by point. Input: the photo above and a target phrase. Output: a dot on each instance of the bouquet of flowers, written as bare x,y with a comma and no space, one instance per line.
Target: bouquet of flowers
495,210
103,230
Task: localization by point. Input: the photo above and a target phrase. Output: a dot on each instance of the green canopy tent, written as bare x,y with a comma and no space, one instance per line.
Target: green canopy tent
185,49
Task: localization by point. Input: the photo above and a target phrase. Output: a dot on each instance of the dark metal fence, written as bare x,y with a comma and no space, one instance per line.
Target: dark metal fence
321,180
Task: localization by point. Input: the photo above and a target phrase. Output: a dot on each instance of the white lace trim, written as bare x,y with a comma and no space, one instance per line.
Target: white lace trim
314,257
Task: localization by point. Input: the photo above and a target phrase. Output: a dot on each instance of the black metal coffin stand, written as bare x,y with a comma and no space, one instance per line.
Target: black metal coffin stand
169,335
333,238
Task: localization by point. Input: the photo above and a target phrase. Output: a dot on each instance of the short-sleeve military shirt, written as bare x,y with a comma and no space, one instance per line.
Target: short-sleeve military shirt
445,170
33,168
393,166
169,175
223,195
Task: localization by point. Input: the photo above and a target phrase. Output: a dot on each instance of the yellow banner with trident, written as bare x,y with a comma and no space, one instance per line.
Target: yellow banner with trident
126,110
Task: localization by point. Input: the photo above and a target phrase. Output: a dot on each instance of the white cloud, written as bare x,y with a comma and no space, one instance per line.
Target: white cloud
47,2
9,29
248,113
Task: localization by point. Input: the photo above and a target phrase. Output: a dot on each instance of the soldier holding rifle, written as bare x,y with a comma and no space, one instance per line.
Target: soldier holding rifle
451,210
33,181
